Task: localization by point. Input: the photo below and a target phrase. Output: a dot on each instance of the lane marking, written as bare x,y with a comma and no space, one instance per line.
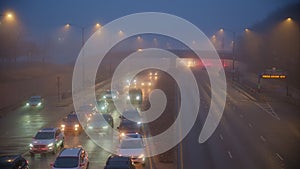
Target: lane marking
268,109
229,154
279,156
221,137
263,138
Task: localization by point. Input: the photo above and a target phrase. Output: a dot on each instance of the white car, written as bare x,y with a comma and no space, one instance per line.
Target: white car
46,140
133,148
71,158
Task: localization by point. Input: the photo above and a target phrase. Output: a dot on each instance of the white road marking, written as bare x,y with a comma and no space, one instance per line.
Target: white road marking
229,154
250,125
268,108
221,137
279,156
263,138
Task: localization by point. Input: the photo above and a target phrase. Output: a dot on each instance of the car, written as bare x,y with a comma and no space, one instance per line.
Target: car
103,106
72,158
46,140
133,148
135,96
119,162
128,126
100,124
131,114
13,162
131,135
71,124
109,95
86,111
35,101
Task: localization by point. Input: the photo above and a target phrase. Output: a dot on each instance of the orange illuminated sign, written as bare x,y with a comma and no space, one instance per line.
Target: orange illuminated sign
268,76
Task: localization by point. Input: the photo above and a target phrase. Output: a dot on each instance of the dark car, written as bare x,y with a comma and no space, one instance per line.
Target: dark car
13,162
119,162
128,126
71,124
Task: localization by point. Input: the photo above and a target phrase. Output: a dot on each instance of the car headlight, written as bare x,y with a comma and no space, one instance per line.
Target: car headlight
139,122
102,108
30,145
90,127
104,97
128,97
141,156
63,126
137,98
50,145
39,104
105,127
76,125
122,134
27,104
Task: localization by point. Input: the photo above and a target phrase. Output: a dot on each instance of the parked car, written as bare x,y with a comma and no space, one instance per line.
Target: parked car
47,140
35,101
119,162
13,162
71,158
71,124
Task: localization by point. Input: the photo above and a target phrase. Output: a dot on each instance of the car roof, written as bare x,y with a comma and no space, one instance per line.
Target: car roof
133,135
117,158
70,152
48,130
35,97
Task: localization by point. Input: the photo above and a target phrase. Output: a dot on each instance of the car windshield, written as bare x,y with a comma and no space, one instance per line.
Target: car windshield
72,118
97,118
66,162
34,99
131,144
44,135
128,125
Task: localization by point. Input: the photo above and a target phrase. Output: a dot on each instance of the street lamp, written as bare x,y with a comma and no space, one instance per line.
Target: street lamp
82,28
9,16
233,47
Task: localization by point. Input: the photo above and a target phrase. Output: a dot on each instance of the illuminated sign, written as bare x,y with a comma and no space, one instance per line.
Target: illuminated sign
270,76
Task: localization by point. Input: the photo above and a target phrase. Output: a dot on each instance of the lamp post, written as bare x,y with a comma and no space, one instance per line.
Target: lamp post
233,49
82,28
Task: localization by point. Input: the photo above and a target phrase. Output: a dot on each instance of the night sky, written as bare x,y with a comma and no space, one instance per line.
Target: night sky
41,18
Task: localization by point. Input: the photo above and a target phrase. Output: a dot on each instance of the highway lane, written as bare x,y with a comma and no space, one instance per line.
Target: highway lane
247,136
19,126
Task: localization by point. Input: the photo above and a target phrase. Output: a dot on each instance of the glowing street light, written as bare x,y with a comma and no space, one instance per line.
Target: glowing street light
82,28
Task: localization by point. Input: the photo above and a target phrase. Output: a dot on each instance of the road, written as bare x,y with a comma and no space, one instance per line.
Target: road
20,125
253,133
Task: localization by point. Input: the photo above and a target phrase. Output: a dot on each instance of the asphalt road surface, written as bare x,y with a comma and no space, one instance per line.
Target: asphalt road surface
254,133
